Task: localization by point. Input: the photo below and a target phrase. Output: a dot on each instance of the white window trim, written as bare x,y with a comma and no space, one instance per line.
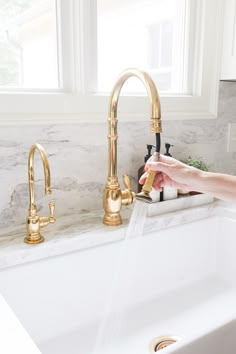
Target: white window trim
77,102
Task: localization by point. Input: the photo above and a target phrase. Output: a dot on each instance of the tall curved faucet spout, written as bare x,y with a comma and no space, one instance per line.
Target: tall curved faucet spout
113,197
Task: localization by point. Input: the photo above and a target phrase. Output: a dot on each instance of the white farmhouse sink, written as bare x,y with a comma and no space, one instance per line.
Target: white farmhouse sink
221,340
180,281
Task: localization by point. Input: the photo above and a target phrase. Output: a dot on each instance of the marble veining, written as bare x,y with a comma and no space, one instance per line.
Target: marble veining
78,158
86,230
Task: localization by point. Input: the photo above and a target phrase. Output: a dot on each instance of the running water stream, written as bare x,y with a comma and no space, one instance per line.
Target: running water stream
114,314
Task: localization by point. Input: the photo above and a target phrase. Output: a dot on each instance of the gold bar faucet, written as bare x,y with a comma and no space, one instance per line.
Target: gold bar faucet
34,223
113,196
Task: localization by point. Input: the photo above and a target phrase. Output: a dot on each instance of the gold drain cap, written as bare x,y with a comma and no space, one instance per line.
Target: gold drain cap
163,342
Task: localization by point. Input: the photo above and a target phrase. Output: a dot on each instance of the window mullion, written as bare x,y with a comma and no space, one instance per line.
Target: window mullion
65,44
86,45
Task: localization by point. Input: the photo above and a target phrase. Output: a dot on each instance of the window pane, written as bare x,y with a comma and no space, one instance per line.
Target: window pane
147,34
28,44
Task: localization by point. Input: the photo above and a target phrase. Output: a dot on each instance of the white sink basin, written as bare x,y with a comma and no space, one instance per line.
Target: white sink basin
221,340
181,281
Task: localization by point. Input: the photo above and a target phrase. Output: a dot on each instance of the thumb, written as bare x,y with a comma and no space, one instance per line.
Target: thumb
159,166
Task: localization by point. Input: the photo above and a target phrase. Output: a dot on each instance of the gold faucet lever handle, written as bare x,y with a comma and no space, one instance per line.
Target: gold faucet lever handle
127,195
45,220
127,182
52,210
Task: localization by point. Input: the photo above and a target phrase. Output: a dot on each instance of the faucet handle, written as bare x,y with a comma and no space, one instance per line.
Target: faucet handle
51,210
127,195
127,182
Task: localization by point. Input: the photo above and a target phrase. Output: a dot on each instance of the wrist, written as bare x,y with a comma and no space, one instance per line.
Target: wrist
207,182
199,180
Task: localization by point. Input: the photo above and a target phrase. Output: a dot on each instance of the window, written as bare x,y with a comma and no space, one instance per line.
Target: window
60,58
28,44
143,34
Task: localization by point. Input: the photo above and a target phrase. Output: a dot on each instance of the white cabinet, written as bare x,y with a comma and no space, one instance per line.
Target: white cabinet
228,71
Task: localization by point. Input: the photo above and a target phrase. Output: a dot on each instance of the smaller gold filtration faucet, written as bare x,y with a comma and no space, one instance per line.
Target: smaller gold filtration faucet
34,223
113,196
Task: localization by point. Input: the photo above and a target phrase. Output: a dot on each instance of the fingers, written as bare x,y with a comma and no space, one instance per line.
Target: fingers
150,159
159,166
167,159
142,179
164,160
157,182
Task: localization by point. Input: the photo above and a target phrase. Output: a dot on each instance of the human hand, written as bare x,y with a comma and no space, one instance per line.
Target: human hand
172,173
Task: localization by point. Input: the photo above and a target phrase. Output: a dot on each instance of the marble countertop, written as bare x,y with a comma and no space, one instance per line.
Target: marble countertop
85,230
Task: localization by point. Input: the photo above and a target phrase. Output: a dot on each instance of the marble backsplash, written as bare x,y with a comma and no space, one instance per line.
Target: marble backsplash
78,158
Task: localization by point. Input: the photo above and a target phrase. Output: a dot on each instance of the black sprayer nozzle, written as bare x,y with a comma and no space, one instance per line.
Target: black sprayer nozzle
158,142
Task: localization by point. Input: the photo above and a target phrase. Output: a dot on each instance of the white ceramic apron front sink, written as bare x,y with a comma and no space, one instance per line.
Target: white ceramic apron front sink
180,281
219,341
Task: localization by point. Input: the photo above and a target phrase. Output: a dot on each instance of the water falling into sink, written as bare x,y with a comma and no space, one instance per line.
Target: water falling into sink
137,221
114,314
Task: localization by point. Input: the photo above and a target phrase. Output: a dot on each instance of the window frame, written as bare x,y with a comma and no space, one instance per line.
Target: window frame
77,102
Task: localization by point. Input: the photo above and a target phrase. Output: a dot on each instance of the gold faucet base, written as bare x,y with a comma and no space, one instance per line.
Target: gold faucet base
34,240
113,219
